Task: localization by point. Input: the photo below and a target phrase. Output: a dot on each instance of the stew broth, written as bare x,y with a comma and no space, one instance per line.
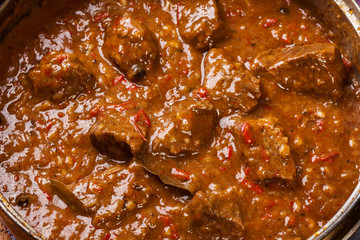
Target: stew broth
176,119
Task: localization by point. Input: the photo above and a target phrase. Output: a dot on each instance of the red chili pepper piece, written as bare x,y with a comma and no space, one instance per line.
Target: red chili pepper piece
48,197
270,22
49,126
94,112
245,130
134,119
180,174
118,80
330,158
116,23
202,92
101,16
147,120
107,236
132,87
229,152
133,122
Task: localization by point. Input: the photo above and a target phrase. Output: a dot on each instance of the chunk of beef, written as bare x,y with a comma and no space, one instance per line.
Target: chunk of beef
119,132
266,149
215,214
131,45
130,192
59,75
225,81
313,68
184,128
111,195
199,22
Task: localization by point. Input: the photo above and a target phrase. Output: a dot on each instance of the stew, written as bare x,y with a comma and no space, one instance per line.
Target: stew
177,119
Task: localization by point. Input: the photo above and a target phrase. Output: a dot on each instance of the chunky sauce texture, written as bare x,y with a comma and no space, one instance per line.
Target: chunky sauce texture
136,119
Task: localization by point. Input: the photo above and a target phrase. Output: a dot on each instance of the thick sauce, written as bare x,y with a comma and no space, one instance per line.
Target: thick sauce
176,119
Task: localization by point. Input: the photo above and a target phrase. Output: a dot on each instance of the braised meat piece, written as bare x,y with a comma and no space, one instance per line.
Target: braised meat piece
131,45
199,22
130,191
266,149
226,81
215,214
119,132
184,128
59,75
313,68
126,188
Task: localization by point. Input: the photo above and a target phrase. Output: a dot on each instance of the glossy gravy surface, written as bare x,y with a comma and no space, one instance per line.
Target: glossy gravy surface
190,131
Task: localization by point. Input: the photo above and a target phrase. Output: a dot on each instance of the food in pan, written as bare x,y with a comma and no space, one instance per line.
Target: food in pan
137,119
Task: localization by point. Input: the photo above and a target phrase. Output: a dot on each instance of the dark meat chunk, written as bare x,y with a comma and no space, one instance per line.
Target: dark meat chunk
59,75
129,190
313,68
226,81
110,195
215,214
119,132
131,45
199,22
266,149
184,128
